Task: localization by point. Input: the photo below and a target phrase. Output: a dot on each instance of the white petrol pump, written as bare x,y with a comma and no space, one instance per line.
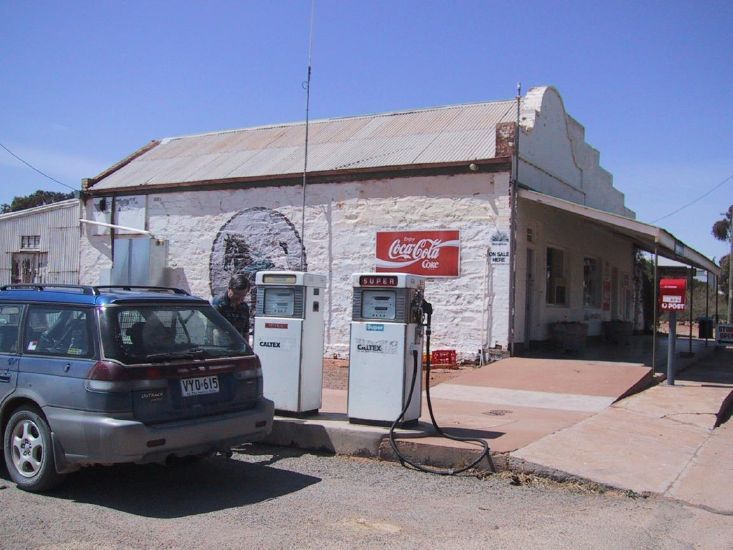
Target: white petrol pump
288,338
386,342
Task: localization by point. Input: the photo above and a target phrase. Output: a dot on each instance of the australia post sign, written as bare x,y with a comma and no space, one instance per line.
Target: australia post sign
672,294
426,253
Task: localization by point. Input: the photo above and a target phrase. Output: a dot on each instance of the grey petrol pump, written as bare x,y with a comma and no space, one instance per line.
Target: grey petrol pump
288,338
385,348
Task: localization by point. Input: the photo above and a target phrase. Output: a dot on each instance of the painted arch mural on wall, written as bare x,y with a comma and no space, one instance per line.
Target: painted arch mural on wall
253,240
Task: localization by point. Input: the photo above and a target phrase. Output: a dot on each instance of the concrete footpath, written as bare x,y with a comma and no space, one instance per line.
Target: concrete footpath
606,422
666,440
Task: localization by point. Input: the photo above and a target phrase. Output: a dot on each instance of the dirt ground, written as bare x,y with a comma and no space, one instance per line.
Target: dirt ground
336,373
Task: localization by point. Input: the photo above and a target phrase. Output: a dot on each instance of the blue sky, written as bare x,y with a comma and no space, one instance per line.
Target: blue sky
85,83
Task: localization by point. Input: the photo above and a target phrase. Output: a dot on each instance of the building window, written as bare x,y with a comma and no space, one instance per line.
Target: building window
591,282
30,242
556,287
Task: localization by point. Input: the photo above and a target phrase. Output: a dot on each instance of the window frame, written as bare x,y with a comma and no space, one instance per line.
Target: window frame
61,308
30,242
118,344
12,349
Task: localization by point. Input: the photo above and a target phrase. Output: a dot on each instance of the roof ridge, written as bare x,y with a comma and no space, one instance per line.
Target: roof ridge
334,119
40,208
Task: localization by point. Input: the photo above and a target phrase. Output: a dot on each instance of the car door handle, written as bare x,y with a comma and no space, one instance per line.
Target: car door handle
67,367
12,360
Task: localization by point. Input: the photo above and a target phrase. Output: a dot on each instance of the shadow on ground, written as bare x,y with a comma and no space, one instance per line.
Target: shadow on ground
184,489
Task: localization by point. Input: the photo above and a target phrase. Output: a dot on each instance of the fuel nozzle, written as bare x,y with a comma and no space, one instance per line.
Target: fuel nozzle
427,309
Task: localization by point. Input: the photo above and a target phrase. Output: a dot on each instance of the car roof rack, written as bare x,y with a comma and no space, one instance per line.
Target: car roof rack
93,290
144,288
80,289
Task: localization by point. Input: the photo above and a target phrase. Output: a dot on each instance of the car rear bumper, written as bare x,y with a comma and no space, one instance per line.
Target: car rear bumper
91,438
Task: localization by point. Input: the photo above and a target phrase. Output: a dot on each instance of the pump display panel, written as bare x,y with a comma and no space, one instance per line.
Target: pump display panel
279,279
279,301
378,304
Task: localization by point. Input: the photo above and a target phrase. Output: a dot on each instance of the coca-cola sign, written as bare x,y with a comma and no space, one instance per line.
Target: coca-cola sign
427,253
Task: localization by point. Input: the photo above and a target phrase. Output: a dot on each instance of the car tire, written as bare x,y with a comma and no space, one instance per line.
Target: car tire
29,451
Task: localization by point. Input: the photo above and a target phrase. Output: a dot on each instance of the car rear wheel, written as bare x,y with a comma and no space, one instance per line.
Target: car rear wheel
29,451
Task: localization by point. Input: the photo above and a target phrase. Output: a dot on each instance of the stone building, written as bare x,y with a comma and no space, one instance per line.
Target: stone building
435,187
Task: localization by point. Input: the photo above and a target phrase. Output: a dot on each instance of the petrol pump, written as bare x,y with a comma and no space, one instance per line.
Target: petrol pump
289,338
385,348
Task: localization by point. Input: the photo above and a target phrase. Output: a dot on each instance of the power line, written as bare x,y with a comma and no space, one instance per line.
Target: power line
29,165
694,201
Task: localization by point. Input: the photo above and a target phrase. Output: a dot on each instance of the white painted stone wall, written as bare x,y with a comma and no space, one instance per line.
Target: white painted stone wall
578,238
340,234
342,220
556,160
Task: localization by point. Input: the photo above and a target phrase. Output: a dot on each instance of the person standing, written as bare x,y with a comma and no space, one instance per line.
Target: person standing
233,305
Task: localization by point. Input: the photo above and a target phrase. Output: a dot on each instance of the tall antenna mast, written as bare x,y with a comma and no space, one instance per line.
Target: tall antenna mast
307,85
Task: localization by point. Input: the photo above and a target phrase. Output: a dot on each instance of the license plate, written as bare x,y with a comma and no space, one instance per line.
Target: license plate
199,386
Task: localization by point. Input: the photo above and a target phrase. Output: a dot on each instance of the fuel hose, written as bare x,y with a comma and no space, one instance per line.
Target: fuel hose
428,310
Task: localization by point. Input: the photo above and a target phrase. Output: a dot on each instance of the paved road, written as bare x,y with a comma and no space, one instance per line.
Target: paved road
287,499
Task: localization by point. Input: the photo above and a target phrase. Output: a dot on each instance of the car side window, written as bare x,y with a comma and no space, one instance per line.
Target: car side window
9,324
60,331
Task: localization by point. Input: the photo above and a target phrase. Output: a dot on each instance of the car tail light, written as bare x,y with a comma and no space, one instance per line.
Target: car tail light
247,368
114,372
247,363
108,372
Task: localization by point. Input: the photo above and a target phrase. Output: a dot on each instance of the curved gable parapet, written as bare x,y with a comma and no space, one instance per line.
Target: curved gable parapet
532,105
546,148
556,158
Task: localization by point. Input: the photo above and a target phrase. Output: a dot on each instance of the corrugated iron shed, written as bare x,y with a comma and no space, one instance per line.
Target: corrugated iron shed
459,133
57,228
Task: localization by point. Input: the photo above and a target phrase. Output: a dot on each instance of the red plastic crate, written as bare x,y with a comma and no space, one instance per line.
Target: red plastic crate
443,357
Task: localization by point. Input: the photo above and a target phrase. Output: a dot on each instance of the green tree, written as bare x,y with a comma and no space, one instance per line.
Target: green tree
723,231
39,198
723,281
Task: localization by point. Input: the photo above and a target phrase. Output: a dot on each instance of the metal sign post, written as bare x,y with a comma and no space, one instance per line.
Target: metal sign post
671,347
672,298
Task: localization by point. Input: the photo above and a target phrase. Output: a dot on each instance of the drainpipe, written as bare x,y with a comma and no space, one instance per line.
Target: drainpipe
513,227
113,226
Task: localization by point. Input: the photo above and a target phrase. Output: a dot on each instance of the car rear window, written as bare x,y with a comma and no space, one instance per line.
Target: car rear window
146,333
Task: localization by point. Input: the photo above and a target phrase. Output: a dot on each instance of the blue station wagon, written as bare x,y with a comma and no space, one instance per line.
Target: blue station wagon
102,375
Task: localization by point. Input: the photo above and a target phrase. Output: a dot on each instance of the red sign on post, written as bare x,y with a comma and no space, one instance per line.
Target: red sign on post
426,253
673,294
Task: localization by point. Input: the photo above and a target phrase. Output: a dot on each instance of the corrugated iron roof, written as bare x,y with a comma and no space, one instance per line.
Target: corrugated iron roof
68,203
430,136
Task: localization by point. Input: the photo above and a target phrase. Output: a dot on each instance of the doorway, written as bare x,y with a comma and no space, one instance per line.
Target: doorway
29,267
614,294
